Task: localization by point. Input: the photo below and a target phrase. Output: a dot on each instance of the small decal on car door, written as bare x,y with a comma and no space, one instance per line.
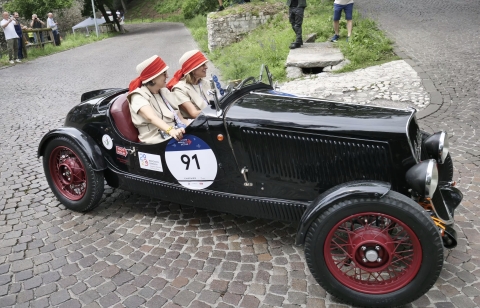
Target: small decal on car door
191,161
107,142
150,161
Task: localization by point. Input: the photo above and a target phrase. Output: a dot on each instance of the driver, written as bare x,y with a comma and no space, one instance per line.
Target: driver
152,106
188,84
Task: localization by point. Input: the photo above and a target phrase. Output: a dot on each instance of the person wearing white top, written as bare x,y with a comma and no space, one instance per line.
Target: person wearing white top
8,25
338,7
188,84
54,26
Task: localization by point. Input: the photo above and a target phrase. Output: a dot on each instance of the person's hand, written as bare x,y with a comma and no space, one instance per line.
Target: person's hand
177,133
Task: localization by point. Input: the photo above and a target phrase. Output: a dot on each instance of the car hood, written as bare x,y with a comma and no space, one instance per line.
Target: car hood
283,111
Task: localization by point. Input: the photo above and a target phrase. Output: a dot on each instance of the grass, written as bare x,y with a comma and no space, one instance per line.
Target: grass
69,42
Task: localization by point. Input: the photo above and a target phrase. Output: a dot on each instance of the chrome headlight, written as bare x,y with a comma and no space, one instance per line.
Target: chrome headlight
437,146
423,178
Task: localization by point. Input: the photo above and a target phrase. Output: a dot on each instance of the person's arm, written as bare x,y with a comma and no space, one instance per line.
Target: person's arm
5,24
149,114
184,121
189,108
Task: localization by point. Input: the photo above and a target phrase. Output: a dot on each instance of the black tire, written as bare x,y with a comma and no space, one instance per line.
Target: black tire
419,244
445,170
71,176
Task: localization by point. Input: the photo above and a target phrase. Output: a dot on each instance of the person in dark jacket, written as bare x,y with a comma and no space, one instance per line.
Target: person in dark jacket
18,29
295,13
37,24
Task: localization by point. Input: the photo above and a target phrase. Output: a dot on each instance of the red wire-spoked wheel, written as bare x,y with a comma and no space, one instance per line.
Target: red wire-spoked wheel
372,253
68,173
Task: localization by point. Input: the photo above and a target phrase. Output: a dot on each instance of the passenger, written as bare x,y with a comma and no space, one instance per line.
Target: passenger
188,84
153,107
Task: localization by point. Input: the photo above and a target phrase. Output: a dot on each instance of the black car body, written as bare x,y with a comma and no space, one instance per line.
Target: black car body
373,194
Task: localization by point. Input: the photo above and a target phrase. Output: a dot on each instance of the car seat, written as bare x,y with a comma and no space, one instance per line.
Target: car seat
120,112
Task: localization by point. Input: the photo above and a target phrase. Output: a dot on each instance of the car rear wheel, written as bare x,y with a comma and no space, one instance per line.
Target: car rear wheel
71,176
375,252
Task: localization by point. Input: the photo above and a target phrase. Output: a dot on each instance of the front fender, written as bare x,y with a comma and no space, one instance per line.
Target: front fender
84,141
335,194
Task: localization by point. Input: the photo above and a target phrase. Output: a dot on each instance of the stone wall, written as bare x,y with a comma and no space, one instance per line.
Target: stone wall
223,31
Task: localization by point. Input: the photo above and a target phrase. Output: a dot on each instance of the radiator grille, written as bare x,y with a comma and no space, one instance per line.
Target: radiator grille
327,161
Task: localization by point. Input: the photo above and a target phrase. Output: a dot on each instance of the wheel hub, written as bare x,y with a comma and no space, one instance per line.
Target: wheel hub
372,248
371,255
69,170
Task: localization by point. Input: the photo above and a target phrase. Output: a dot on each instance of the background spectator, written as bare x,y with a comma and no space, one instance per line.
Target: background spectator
338,7
18,29
54,26
37,24
8,25
296,10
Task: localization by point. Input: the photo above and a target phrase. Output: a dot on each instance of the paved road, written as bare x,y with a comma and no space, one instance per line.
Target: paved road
134,251
440,37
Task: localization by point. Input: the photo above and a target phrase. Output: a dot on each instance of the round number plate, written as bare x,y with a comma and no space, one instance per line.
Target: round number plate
191,161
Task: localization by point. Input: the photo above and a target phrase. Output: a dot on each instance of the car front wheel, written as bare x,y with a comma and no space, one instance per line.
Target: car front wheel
71,176
375,252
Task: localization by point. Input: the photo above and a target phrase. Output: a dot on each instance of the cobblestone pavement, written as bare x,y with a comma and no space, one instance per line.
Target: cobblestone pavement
439,38
393,84
133,251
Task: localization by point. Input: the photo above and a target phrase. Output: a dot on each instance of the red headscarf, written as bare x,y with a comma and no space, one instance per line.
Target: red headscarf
150,71
193,62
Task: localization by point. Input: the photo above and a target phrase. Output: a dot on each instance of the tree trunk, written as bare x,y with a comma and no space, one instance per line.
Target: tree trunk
124,6
115,19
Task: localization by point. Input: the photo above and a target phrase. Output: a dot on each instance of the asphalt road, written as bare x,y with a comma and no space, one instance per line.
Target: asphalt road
134,251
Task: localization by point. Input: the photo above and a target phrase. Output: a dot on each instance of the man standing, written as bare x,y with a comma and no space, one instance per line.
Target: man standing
338,7
37,24
54,26
295,13
8,25
18,29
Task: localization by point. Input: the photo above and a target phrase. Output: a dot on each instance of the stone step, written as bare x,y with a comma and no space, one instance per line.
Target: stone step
315,55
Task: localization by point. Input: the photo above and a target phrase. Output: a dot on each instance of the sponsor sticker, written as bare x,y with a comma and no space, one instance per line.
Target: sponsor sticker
107,142
150,161
191,161
121,151
123,161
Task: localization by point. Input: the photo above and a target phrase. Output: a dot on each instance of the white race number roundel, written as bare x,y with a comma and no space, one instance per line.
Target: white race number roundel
191,161
107,142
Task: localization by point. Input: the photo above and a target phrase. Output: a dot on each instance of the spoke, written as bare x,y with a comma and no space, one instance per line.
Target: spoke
344,251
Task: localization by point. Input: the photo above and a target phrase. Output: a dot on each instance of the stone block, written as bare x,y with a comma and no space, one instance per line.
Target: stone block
310,38
314,55
336,67
294,72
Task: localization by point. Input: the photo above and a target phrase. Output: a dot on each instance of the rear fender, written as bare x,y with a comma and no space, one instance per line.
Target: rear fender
340,192
85,142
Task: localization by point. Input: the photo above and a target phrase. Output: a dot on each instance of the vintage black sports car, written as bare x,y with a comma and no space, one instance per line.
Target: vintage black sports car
372,193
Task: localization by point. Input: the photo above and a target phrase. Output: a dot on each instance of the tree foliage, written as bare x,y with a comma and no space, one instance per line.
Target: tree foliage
100,5
40,7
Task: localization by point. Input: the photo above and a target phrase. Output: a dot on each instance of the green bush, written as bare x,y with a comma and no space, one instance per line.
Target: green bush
191,8
168,6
